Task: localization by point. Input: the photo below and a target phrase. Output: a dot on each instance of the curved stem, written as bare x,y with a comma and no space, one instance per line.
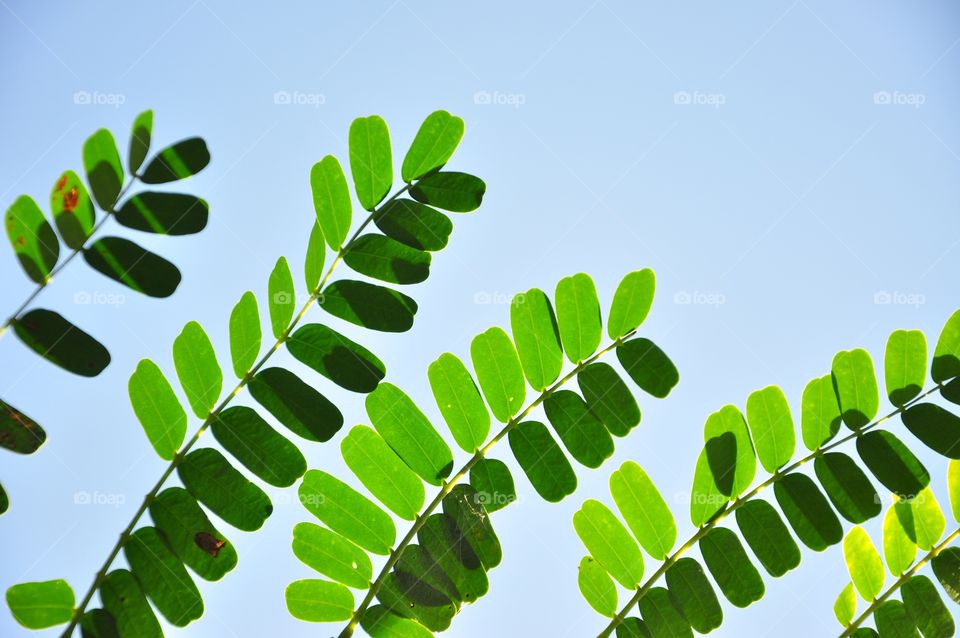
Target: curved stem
456,478
740,502
151,495
904,577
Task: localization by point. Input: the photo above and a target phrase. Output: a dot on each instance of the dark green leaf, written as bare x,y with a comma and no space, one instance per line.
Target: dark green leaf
951,391
946,567
32,238
771,425
414,224
848,487
455,192
892,463
926,608
892,620
316,600
369,305
631,303
820,413
382,472
197,368
371,162
281,298
331,200
4,500
535,332
433,145
133,266
597,587
768,537
347,512
122,598
299,407
863,563
946,356
164,213
210,478
386,259
401,597
808,511
459,401
98,623
140,138
380,622
581,432
465,507
499,373
259,447
542,460
405,429
609,542
937,428
905,365
693,594
316,255
609,398
191,535
855,383
18,432
662,616
733,461
245,335
39,605
332,555
157,408
72,210
101,161
633,628
451,552
163,577
61,343
648,366
494,484
424,581
177,161
644,509
733,572
345,362
578,314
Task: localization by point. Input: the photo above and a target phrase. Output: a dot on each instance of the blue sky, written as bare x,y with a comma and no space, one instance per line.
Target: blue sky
788,168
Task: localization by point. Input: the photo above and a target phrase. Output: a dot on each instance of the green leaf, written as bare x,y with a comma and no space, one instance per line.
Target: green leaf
299,407
347,512
4,500
937,428
386,259
808,512
946,567
382,472
39,605
177,161
609,398
768,537
345,362
163,577
953,488
768,414
633,628
855,383
578,313
380,622
197,368
213,481
926,608
905,365
405,429
845,608
892,463
191,535
133,266
157,408
101,161
98,623
331,200
122,598
459,401
18,432
316,600
946,356
820,412
281,298
922,519
140,138
32,238
732,570
245,335
597,587
164,213
706,497
694,595
263,451
733,466
631,303
581,432
898,549
609,542
332,555
61,343
499,372
464,506
644,509
369,305
404,598
451,191
434,144
892,620
863,563
72,210
535,332
423,581
848,487
494,484
649,367
951,391
662,616
542,460
371,162
313,263
452,554
414,224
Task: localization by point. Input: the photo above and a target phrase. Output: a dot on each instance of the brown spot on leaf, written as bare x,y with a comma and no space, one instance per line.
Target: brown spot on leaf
70,200
61,182
209,543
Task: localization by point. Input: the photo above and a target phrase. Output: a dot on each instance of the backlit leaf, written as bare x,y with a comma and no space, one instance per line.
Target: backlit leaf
331,200
953,488
768,537
493,483
820,412
499,373
157,408
937,428
894,465
609,543
922,519
578,315
644,509
121,596
733,472
452,554
101,161
848,487
706,497
946,567
371,162
18,432
898,549
380,622
542,460
855,383
61,343
164,213
434,144
163,577
926,608
631,303
197,368
905,365
39,605
694,596
450,191
386,259
582,433
649,367
946,356
863,563
369,305
313,262
299,407
845,607
459,401
808,511
133,266
177,161
186,528
332,555
345,362
414,224
597,587
347,512
260,448
768,414
281,297
213,481
315,600
464,506
72,210
32,238
534,328
245,334
892,620
140,137
609,398
661,615
732,570
382,472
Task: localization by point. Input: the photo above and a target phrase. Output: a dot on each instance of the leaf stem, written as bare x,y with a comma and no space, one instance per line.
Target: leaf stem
741,501
456,478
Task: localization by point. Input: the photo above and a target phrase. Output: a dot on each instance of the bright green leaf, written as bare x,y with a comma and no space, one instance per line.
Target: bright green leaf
313,262
820,413
845,607
197,368
863,563
597,587
578,314
609,542
898,549
434,144
371,162
331,200
459,401
61,343
245,335
771,425
39,605
133,266
382,472
140,138
332,555
921,519
101,161
281,297
706,497
631,303
347,512
32,238
315,600
734,466
644,509
855,383
157,408
499,372
72,210
946,356
953,488
905,365
534,329
177,161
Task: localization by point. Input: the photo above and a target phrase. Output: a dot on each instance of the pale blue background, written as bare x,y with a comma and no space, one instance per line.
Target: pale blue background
790,206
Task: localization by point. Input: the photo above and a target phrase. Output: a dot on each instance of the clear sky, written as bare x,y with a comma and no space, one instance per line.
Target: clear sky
783,166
